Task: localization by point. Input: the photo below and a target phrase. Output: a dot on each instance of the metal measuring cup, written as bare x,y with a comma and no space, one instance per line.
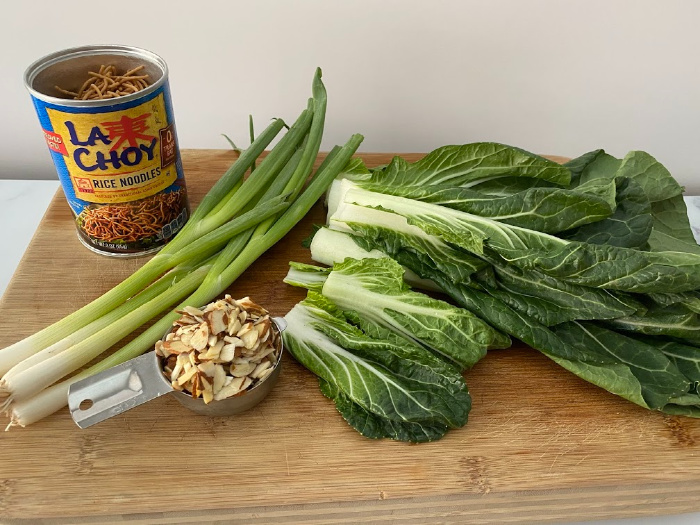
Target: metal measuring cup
139,380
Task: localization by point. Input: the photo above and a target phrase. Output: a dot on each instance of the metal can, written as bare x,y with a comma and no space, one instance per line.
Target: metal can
117,158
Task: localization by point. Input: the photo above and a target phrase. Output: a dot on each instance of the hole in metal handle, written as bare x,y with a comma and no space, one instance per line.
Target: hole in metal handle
85,404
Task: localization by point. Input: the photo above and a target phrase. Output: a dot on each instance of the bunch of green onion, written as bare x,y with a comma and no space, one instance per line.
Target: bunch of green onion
236,222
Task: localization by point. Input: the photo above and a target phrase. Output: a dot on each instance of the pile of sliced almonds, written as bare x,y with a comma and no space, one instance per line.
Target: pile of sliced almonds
221,350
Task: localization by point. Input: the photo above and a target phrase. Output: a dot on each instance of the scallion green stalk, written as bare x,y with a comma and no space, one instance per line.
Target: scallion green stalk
227,197
270,166
320,101
200,248
234,174
146,295
251,131
311,148
42,375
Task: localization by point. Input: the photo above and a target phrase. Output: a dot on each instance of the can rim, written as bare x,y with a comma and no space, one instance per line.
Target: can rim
44,62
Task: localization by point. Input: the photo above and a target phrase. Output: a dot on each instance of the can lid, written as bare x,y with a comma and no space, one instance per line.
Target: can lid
70,66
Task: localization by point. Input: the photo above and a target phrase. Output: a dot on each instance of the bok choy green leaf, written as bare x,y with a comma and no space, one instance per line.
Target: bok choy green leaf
671,228
629,226
466,166
373,426
658,378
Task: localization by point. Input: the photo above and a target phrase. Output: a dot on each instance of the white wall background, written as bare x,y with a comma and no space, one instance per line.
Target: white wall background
559,77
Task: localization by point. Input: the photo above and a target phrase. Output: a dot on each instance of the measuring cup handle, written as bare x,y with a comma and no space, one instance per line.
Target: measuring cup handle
281,323
116,390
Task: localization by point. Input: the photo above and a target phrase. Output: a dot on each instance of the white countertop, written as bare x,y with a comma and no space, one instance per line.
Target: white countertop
23,203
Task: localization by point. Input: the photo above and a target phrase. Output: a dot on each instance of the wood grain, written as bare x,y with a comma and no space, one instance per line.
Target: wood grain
541,445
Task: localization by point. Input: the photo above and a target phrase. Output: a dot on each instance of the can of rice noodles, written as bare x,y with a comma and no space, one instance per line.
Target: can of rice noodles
108,122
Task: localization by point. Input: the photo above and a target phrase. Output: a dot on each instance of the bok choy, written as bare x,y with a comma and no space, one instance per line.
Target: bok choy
592,263
383,386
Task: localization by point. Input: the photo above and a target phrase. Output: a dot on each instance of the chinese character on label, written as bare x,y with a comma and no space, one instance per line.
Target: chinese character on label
128,130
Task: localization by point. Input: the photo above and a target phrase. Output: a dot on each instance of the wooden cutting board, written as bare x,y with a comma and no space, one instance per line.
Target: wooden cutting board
541,445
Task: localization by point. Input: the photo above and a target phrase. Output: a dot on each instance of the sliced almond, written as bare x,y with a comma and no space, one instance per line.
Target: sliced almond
228,352
251,307
260,369
185,320
201,337
186,337
214,351
207,368
245,328
249,338
208,395
215,320
265,373
195,387
183,358
206,390
234,324
262,353
250,352
231,389
235,341
242,370
263,328
219,379
176,369
175,347
193,311
187,375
